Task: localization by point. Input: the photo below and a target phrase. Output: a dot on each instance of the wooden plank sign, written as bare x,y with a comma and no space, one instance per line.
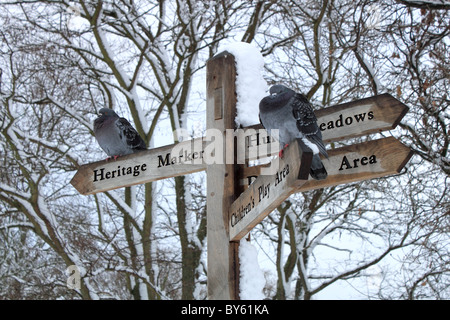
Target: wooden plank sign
269,190
374,114
363,161
138,168
358,162
359,118
340,122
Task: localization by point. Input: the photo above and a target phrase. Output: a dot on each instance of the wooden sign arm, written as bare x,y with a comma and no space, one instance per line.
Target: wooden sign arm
357,118
358,162
274,185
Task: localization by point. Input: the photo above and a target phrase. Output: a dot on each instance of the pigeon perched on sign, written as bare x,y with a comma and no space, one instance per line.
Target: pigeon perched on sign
292,114
115,135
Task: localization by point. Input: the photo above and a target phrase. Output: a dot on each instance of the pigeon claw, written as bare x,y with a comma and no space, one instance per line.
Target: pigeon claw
113,157
280,154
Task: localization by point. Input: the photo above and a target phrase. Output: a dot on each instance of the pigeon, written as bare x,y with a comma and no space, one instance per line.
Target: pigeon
115,135
292,114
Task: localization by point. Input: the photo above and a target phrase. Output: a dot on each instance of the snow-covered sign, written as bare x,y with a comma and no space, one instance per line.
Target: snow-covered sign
234,88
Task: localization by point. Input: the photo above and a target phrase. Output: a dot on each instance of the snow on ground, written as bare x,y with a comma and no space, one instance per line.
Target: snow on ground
250,84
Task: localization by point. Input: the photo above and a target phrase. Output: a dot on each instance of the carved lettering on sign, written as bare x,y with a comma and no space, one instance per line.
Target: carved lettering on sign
168,159
102,174
281,175
353,163
341,121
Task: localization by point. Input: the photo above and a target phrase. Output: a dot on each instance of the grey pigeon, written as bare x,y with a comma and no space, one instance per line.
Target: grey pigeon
292,114
115,135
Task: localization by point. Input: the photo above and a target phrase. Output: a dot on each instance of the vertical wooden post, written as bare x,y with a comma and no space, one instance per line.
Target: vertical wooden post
223,259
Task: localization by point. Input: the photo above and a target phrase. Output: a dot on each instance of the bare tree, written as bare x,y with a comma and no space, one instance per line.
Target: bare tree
61,61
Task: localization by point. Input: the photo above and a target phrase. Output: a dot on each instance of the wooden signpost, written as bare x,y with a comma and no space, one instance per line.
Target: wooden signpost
223,255
348,120
235,206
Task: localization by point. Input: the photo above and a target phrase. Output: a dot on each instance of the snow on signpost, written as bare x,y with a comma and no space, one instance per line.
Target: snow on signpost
250,84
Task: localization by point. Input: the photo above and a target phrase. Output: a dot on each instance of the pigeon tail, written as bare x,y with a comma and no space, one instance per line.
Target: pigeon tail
317,140
318,171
